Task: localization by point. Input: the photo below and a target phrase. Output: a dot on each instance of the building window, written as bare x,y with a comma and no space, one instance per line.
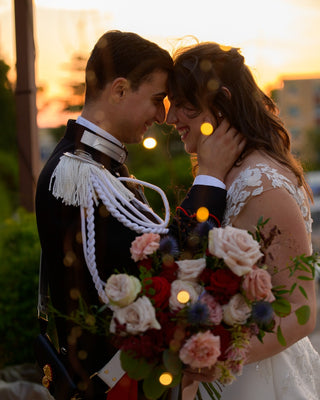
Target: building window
293,111
295,132
292,88
317,94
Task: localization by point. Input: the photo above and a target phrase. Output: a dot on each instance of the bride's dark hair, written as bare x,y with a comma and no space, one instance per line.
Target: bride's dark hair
208,75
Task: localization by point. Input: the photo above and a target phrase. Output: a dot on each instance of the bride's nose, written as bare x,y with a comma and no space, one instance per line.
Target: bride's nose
172,118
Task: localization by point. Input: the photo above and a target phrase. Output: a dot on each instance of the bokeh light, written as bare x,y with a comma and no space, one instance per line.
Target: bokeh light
149,143
183,296
206,128
165,379
202,214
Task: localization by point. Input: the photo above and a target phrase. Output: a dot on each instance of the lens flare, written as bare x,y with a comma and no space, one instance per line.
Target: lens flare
202,214
149,143
165,379
206,128
183,297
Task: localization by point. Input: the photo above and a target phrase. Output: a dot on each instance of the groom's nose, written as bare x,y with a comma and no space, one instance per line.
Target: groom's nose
171,116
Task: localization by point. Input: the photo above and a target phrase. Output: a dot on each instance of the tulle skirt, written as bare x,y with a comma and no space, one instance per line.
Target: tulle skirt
293,374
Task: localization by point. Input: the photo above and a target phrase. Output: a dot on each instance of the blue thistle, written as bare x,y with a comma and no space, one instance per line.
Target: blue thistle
203,228
262,314
198,314
169,245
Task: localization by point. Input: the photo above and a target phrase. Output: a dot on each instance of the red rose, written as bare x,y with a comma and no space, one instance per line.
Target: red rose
169,272
146,263
225,340
205,276
223,285
158,290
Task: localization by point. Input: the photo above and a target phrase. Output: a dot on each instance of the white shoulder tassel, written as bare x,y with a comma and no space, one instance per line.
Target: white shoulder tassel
72,181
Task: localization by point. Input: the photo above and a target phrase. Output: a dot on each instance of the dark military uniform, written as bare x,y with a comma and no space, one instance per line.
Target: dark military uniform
59,229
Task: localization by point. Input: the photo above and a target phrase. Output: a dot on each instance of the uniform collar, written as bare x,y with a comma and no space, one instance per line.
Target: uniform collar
100,140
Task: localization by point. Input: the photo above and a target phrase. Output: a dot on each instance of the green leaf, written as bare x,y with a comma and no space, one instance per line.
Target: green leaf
280,336
304,278
260,335
303,292
136,368
303,314
293,287
172,362
152,387
281,307
212,391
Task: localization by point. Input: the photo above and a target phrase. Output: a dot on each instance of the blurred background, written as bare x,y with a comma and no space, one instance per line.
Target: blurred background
44,45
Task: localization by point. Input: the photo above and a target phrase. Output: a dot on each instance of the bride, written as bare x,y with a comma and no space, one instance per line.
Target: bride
211,84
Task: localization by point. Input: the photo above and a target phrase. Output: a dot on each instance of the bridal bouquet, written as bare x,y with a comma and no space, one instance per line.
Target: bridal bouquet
197,306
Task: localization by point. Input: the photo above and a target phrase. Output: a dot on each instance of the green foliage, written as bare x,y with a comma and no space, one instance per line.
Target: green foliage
167,166
280,337
8,146
8,141
9,196
20,253
303,314
137,368
310,152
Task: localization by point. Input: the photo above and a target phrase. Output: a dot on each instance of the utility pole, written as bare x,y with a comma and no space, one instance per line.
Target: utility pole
26,109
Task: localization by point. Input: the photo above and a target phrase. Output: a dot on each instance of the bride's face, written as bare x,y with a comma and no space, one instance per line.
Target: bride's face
188,123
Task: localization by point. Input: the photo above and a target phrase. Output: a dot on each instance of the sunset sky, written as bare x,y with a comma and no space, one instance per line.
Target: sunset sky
278,38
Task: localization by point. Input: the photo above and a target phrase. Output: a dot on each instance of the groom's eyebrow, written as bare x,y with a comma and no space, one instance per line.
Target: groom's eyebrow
160,94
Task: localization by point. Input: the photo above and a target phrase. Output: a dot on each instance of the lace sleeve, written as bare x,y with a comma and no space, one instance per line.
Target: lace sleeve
253,181
262,191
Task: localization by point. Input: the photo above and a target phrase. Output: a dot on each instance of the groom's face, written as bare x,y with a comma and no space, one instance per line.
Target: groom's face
142,107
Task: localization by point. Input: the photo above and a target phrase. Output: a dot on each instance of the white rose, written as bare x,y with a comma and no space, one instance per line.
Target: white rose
236,311
236,247
189,270
177,286
122,289
137,317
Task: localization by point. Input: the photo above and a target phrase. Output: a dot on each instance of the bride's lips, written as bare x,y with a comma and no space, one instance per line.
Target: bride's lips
183,132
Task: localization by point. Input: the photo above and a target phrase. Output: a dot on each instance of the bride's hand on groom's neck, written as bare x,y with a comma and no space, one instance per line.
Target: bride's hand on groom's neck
218,152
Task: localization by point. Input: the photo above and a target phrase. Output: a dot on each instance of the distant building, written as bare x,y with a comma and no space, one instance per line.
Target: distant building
299,104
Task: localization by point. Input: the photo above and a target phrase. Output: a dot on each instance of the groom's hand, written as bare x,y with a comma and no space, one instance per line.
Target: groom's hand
218,152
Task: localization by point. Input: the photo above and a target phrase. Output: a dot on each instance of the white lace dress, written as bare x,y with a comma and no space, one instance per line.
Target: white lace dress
294,373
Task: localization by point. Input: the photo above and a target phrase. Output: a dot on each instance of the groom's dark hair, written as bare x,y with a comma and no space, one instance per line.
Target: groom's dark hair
123,54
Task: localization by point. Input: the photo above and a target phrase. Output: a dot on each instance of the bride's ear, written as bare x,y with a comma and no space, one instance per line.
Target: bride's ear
226,91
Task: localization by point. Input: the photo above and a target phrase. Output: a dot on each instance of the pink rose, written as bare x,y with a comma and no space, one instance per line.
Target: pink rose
144,245
215,310
257,285
189,270
236,311
236,247
137,317
201,350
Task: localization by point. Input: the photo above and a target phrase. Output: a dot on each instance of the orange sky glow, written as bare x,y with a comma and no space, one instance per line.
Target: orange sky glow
278,38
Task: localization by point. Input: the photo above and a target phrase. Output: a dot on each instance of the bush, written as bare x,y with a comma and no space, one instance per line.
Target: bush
20,253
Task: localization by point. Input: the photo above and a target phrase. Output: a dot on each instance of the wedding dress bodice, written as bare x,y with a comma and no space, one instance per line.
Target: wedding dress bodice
291,374
259,173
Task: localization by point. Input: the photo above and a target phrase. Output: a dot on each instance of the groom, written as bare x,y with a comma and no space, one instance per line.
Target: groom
126,83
